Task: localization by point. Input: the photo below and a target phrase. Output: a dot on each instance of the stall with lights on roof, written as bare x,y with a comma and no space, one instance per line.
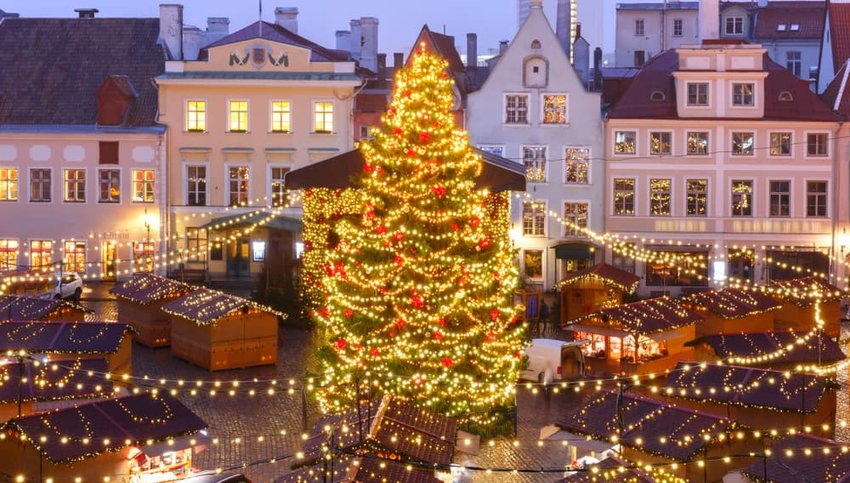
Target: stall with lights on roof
598,287
801,300
217,331
70,340
30,385
140,302
688,443
802,458
138,439
732,311
22,307
763,398
638,338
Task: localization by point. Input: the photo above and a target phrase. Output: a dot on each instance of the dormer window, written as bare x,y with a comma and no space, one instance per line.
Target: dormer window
658,96
781,27
795,27
786,96
742,94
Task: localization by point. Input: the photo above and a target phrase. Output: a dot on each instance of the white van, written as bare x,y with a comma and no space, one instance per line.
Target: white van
551,360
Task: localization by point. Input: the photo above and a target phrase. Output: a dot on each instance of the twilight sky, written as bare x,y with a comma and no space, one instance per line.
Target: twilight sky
400,20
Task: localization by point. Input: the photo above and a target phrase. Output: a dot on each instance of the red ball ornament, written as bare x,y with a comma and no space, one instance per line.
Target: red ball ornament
442,321
491,336
374,352
399,324
438,336
392,333
399,261
515,319
349,313
484,244
381,229
474,221
494,314
399,236
340,343
439,191
367,168
416,301
455,227
398,131
411,152
407,94
447,361
326,312
424,136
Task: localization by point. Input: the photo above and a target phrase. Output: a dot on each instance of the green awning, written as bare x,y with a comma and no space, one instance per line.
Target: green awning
574,251
278,222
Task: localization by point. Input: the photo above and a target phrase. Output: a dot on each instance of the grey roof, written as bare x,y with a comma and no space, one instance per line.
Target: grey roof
52,68
276,33
659,6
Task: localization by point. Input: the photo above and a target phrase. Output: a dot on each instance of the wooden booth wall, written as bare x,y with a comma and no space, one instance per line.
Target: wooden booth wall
231,342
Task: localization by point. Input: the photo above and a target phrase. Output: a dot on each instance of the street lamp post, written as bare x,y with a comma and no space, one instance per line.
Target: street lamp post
147,241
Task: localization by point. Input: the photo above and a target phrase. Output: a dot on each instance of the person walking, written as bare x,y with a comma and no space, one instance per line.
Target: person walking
544,317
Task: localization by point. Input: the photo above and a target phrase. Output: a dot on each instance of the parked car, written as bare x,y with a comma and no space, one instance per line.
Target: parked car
213,477
551,360
69,286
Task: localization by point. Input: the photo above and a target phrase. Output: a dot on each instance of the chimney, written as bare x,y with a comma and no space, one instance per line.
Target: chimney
471,51
522,11
287,17
382,70
597,68
369,45
86,12
563,26
343,40
398,61
503,47
192,40
218,25
356,39
171,29
709,20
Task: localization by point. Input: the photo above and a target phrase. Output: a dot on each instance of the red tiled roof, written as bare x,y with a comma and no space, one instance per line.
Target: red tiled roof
648,316
732,303
747,386
839,31
608,274
657,75
808,15
647,419
796,467
838,87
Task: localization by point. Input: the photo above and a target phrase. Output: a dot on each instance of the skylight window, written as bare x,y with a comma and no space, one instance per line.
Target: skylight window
781,27
795,27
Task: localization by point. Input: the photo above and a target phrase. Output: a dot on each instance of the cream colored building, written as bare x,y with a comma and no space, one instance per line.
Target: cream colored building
254,105
725,153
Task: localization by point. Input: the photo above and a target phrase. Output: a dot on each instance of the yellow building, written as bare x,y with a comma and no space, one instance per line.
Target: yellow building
253,106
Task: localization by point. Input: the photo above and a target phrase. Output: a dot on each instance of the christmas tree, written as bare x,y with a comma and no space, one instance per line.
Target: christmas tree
419,271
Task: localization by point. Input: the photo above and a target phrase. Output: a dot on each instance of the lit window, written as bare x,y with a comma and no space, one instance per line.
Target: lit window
281,116
196,185
742,94
238,116
625,142
576,165
8,184
109,181
75,185
697,203
698,94
8,255
143,256
780,144
742,197
41,254
196,244
554,109
279,192
624,196
40,185
697,143
238,183
816,144
816,198
575,217
534,159
659,142
742,144
323,121
143,185
516,109
196,116
533,218
659,197
780,198
75,256
258,250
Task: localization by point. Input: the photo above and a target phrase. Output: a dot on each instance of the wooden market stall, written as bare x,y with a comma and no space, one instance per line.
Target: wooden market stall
765,399
140,302
732,311
116,437
638,338
64,340
799,298
14,307
45,387
790,462
598,287
655,432
617,470
219,331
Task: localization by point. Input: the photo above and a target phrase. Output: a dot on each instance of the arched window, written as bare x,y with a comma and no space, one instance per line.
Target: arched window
786,96
535,44
658,96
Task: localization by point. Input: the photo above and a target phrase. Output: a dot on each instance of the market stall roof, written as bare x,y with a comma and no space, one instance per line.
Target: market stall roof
647,425
54,337
146,288
259,218
733,303
607,274
799,466
206,306
818,347
804,291
349,469
618,470
15,307
337,172
389,425
69,379
106,425
649,316
747,386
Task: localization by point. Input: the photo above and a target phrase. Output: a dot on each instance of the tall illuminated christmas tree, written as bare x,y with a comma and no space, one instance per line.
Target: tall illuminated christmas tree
418,276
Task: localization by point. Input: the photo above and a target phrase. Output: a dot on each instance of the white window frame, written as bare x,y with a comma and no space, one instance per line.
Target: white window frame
588,161
707,180
17,260
726,25
133,186
790,198
671,203
543,97
522,149
634,181
754,95
708,96
565,230
334,116
29,185
186,102
271,116
806,145
247,116
681,25
806,182
85,255
270,184
121,194
186,166
545,218
527,108
732,152
86,187
614,142
227,167
53,245
753,187
640,22
708,143
660,131
17,184
770,144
